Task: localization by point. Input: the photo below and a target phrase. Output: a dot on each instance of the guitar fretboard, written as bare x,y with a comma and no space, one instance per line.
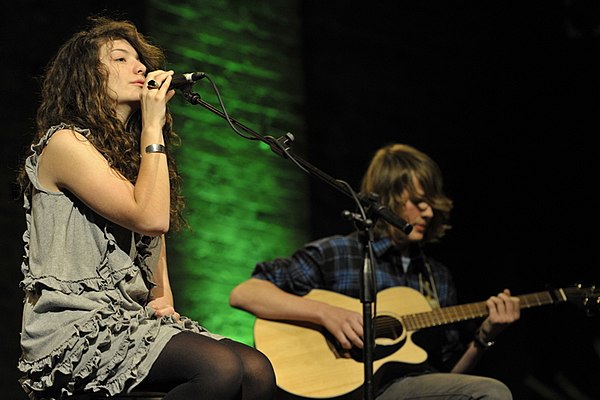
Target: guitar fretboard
448,315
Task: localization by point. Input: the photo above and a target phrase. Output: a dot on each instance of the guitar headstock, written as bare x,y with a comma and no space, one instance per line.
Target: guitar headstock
585,297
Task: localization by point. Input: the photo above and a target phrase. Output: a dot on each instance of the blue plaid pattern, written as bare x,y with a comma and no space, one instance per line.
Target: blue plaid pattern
335,263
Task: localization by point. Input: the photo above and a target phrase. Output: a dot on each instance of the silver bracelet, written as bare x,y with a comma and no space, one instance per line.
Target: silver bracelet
155,148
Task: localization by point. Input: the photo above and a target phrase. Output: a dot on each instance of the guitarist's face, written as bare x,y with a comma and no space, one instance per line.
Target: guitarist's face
417,212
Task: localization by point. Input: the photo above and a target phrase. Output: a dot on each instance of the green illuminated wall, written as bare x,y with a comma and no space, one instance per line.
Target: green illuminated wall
244,203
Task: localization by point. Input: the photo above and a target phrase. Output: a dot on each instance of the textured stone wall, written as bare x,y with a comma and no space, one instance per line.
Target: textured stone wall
244,202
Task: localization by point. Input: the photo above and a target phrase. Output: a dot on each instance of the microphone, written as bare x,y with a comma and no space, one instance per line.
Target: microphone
371,201
180,81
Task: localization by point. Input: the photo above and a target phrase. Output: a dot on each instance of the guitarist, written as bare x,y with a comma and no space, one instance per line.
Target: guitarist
410,183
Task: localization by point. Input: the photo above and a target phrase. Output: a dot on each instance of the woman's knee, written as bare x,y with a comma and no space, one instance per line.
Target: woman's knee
227,369
259,377
261,369
257,366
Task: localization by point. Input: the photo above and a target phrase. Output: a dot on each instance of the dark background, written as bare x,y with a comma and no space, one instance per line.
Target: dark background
504,95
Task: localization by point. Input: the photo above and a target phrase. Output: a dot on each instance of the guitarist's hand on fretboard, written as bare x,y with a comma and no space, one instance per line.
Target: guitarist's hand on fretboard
503,310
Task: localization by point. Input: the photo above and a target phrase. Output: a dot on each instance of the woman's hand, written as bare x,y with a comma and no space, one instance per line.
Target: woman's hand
154,98
162,308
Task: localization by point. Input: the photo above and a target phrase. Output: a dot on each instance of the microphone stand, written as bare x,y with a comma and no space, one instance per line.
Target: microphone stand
368,294
281,146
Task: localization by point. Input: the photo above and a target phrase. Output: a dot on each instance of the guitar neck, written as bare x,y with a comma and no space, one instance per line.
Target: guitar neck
465,312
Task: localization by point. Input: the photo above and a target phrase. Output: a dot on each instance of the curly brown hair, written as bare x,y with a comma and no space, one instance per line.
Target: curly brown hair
394,169
74,92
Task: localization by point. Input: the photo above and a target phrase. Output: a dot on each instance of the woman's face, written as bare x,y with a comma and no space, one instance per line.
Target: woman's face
126,75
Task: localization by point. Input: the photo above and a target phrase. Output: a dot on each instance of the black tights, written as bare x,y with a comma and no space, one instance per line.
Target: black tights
193,366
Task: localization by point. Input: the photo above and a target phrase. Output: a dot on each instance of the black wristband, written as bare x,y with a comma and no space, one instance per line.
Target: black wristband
480,343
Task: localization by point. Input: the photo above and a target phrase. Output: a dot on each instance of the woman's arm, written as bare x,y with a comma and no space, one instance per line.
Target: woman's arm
70,162
162,296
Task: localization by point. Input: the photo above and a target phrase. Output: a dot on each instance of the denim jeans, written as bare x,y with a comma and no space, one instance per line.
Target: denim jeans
445,386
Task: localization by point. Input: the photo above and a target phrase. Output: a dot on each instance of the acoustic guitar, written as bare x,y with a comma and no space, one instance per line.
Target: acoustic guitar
309,363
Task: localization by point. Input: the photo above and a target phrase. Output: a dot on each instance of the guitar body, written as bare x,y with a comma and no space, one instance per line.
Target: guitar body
306,361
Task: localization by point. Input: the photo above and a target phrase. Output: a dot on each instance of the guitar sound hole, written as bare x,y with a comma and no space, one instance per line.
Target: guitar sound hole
389,329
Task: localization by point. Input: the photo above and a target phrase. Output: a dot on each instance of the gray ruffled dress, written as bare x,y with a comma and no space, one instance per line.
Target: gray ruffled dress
86,323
